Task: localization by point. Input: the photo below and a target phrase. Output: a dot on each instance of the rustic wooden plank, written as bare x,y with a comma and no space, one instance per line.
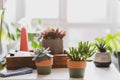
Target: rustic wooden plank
59,61
19,62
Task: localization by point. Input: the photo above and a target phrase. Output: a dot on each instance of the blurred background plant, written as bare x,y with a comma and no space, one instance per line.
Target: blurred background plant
1,27
13,34
2,63
114,41
34,37
2,57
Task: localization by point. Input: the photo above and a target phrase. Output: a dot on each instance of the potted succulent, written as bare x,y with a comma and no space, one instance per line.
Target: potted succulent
102,57
43,61
53,38
77,58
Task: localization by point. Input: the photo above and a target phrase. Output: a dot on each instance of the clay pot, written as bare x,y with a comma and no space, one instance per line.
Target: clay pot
44,67
56,45
102,59
76,68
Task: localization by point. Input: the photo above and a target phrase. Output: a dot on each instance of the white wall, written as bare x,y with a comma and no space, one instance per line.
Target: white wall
118,13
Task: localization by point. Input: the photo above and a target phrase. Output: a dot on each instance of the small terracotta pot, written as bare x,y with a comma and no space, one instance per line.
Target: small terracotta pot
76,68
44,67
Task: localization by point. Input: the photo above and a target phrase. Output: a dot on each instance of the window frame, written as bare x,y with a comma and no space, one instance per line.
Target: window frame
62,18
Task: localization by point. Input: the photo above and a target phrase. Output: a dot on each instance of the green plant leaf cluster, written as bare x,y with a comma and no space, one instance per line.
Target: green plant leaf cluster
113,40
1,22
42,54
38,21
82,52
35,41
2,62
102,45
10,35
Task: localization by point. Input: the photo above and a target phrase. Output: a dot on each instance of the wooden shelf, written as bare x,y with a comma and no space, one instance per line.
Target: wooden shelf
25,60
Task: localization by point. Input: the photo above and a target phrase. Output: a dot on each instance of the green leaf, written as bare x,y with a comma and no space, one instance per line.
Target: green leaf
39,21
109,37
115,45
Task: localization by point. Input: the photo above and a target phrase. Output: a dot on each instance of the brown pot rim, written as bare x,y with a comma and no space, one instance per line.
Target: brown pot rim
48,62
53,39
76,64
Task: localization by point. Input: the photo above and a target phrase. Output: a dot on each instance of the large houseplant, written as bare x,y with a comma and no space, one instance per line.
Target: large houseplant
114,41
102,57
53,38
43,61
77,58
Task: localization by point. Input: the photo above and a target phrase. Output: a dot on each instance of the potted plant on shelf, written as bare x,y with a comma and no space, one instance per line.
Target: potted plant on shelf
43,61
102,57
53,38
77,58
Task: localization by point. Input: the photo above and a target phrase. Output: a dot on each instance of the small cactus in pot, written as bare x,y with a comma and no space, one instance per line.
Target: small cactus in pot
43,61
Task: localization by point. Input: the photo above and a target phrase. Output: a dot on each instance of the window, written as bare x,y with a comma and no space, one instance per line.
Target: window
42,8
68,11
82,11
10,12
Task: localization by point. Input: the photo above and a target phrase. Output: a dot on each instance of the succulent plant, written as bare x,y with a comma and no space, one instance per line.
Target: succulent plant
102,45
42,54
84,50
51,33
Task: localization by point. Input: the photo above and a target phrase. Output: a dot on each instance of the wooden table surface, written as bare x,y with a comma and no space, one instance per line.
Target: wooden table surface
91,73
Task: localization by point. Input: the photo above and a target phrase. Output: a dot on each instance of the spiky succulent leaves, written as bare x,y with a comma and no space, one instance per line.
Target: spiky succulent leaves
42,54
73,54
51,33
84,51
102,45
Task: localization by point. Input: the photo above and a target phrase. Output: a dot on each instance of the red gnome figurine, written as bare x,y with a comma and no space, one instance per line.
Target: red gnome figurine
23,40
